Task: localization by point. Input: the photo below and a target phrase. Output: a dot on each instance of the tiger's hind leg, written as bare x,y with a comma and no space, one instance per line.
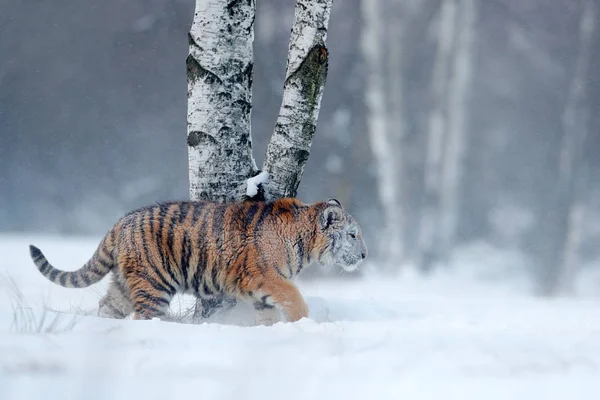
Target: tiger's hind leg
116,302
149,302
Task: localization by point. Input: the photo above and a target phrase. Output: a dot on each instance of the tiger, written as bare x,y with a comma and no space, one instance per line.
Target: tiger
218,252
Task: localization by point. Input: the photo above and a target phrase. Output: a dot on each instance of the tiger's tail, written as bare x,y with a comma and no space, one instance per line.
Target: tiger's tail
93,271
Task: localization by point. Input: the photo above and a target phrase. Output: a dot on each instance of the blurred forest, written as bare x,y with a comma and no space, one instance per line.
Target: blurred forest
444,122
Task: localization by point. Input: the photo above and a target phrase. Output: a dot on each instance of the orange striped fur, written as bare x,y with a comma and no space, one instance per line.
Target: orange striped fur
245,251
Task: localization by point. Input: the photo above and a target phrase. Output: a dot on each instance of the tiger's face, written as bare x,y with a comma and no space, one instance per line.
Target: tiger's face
343,241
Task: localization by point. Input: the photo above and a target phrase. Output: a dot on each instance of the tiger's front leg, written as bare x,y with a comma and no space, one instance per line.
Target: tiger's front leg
281,293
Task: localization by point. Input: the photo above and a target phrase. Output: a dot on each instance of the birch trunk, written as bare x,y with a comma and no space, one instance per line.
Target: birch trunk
429,237
384,138
573,169
219,70
452,172
306,73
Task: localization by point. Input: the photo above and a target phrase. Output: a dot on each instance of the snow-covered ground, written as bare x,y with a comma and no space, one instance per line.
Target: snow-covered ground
448,337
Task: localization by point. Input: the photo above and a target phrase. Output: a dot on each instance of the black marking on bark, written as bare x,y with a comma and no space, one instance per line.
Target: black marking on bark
244,107
195,72
232,5
196,138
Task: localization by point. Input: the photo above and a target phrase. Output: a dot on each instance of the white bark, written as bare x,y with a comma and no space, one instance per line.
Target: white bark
452,171
572,176
384,137
219,67
306,73
429,238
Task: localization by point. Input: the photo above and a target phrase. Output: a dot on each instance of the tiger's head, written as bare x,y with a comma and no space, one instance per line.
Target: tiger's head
341,237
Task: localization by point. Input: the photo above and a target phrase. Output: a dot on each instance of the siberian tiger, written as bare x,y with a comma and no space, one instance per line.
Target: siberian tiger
243,250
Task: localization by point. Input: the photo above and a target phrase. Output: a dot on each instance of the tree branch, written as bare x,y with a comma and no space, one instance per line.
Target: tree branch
219,73
306,74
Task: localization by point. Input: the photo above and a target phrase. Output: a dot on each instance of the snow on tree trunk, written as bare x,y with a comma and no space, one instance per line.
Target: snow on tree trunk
219,71
429,235
457,131
573,170
305,77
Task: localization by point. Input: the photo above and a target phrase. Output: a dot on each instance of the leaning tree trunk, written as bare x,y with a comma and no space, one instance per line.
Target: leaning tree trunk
457,129
305,77
429,238
384,138
573,166
219,71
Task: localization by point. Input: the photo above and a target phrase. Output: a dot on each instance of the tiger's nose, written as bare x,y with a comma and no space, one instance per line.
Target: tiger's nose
363,255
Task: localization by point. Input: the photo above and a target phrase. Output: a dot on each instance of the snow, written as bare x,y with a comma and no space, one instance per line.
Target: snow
447,337
255,181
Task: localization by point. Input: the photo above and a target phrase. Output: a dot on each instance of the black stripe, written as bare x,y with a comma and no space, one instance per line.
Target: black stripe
73,280
102,262
250,214
159,286
141,307
53,274
35,252
198,211
185,257
206,290
96,271
279,271
165,286
218,224
266,210
262,303
202,257
113,235
300,244
63,279
170,240
85,278
44,267
184,209
214,277
161,251
154,299
241,271
151,220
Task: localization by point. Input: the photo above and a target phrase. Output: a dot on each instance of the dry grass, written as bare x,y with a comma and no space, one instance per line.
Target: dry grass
29,320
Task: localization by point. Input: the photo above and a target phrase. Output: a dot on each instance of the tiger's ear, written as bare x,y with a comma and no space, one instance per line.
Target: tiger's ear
332,213
334,202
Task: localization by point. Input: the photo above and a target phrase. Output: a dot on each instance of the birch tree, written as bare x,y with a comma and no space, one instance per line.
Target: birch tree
447,132
219,72
384,137
429,235
573,173
457,129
